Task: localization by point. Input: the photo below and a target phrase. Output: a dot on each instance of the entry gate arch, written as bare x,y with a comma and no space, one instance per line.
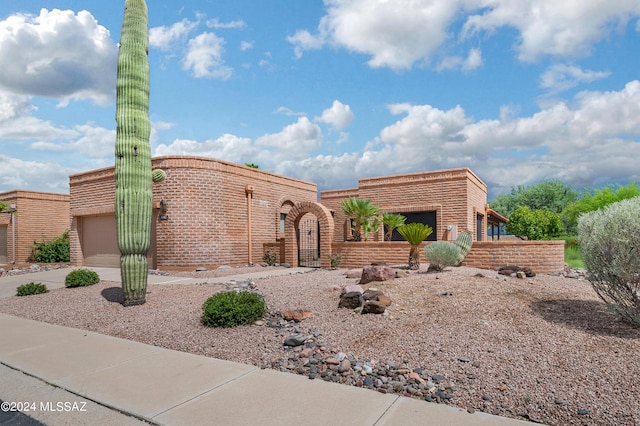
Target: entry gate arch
325,231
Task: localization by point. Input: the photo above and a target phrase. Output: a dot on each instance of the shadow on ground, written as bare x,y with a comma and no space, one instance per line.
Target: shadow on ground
588,315
113,294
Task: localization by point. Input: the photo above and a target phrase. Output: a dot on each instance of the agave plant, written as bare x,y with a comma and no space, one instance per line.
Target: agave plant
392,221
415,234
361,211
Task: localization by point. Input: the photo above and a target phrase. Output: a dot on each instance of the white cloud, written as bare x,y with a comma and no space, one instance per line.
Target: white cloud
339,116
246,45
164,36
304,40
216,24
395,33
470,63
289,112
58,54
594,140
294,142
561,77
27,175
204,57
556,28
401,33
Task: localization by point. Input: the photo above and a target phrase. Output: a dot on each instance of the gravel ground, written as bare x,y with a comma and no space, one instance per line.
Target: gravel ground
543,349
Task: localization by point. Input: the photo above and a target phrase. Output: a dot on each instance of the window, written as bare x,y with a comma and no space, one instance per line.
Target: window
283,217
428,218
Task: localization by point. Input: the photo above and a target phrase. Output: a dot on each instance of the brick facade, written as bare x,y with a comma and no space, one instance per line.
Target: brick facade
540,256
457,196
207,210
40,216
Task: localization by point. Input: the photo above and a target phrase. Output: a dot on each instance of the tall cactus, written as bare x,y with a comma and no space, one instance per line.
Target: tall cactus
133,153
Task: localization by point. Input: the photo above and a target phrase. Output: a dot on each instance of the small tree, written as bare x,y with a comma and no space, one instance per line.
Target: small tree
415,234
534,224
392,221
610,246
252,165
361,211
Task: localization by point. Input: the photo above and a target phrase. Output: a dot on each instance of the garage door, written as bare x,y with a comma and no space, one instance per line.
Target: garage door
100,244
3,244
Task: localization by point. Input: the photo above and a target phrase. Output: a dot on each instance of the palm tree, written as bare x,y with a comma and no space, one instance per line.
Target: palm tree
392,221
361,211
415,234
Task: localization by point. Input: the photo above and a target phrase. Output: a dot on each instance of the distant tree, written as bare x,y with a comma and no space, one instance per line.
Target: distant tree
596,200
3,206
551,195
361,211
252,165
534,224
392,221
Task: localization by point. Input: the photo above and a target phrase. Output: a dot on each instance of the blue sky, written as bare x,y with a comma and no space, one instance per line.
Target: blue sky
331,91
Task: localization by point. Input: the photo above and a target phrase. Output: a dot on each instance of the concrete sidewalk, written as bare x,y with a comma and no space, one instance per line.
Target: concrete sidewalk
125,382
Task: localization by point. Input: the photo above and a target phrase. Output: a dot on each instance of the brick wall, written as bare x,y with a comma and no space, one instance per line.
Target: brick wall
41,216
540,256
455,195
207,209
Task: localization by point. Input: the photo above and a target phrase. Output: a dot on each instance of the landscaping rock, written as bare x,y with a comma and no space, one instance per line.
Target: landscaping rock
377,273
372,307
295,339
296,315
352,288
351,300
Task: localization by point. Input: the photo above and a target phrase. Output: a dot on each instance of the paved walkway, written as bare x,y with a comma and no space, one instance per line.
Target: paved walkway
75,377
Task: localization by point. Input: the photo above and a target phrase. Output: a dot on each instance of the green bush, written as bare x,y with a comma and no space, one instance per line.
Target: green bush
56,250
441,254
81,278
534,224
31,288
335,259
270,258
231,308
610,245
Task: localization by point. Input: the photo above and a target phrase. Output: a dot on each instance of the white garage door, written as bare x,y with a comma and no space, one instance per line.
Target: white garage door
3,244
100,242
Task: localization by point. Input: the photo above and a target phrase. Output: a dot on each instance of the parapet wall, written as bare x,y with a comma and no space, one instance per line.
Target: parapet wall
540,256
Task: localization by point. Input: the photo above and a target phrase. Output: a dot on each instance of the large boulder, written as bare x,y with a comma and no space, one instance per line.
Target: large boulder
377,273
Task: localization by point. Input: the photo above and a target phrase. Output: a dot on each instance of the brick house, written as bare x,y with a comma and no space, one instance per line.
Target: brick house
448,201
31,216
207,213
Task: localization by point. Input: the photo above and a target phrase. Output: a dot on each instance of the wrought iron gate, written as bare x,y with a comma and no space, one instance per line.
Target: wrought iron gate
308,234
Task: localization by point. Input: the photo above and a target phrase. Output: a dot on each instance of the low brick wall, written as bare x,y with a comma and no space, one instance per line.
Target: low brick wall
358,254
540,256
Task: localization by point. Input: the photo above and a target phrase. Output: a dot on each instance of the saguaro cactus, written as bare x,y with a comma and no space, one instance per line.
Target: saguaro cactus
133,153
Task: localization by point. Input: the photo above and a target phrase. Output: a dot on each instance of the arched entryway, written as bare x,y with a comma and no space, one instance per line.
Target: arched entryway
299,216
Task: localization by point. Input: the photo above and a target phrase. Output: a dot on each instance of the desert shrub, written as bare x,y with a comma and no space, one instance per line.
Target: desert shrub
610,245
81,278
56,250
31,288
534,224
270,258
441,254
335,259
231,308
